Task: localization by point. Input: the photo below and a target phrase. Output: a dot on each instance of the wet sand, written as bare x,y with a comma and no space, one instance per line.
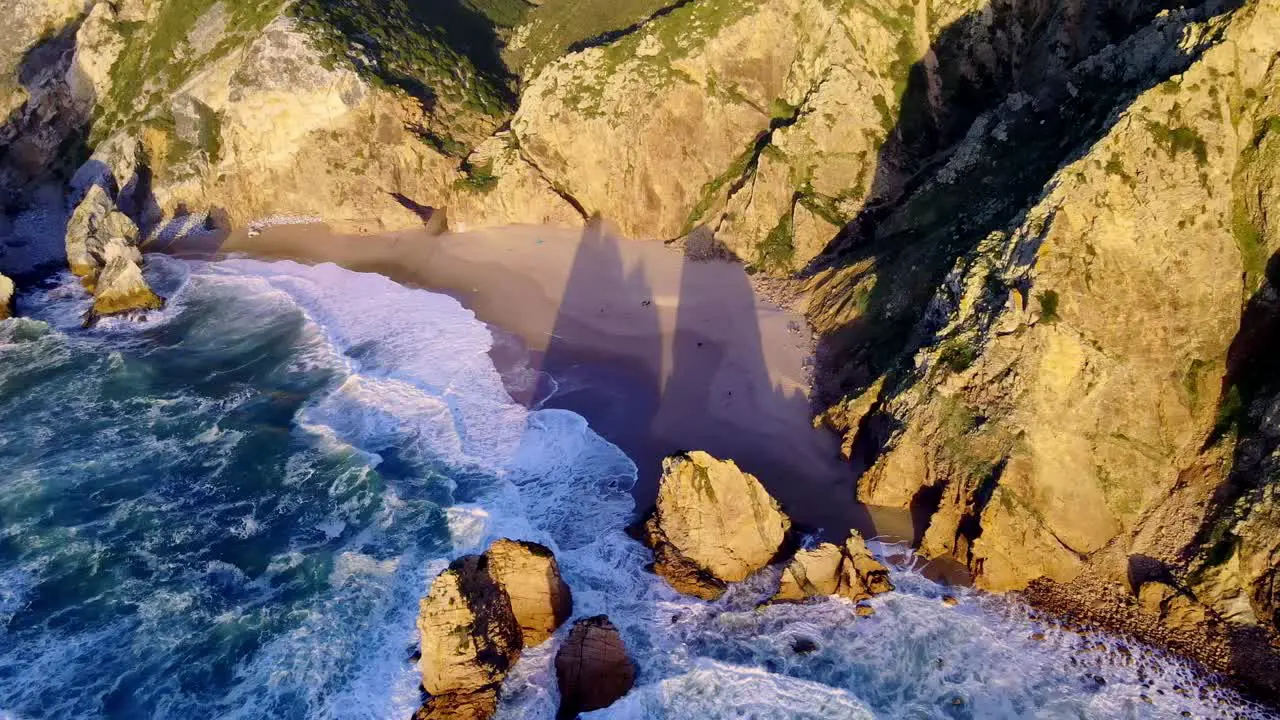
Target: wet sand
660,354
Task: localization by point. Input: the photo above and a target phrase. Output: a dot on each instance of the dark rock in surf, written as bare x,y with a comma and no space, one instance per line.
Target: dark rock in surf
592,667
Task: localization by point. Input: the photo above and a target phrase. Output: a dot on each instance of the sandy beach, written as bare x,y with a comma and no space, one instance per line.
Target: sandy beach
660,354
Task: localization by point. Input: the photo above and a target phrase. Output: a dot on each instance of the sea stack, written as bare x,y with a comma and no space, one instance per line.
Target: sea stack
477,618
102,249
714,524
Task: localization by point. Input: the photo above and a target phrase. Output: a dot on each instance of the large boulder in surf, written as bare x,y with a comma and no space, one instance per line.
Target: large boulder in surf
861,574
102,248
714,524
529,575
592,667
848,570
6,298
120,288
477,618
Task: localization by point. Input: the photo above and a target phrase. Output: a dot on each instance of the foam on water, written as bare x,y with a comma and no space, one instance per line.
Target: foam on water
277,465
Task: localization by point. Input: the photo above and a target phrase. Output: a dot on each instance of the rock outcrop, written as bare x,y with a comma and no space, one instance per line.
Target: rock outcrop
714,524
592,667
6,298
477,618
849,570
102,249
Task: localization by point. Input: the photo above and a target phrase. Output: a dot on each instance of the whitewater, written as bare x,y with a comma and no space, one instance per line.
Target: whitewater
232,509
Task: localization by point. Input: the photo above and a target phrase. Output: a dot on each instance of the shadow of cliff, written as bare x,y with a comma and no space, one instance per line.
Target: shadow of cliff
1247,410
42,143
1027,103
703,384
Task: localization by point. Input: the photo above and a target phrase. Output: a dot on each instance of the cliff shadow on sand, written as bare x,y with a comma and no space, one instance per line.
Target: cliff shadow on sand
684,371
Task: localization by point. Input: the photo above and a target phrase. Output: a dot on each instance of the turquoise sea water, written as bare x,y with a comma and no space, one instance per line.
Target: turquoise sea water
232,508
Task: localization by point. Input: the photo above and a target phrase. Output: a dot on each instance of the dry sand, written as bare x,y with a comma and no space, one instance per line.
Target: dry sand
659,354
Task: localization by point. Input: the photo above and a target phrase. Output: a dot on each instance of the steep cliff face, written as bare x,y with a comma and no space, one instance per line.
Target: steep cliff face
1081,399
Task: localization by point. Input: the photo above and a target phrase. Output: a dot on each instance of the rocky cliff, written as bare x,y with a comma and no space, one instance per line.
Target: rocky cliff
1037,237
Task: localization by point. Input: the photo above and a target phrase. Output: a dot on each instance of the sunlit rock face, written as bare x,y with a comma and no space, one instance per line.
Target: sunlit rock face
714,525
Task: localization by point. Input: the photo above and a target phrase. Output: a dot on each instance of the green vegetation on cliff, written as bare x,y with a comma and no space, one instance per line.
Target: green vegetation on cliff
162,54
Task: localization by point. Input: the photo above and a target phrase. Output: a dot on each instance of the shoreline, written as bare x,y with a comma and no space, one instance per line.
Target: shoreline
596,337
659,353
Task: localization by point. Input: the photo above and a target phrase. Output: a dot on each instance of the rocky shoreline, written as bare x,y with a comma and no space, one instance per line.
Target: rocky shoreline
713,525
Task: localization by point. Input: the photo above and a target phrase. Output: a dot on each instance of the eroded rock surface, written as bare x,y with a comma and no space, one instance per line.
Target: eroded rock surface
714,524
478,705
468,632
592,667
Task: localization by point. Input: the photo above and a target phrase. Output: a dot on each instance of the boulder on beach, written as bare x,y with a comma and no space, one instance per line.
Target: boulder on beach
530,576
6,298
848,570
714,524
592,667
102,248
477,618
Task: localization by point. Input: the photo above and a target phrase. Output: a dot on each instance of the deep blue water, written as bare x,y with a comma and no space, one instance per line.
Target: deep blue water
232,508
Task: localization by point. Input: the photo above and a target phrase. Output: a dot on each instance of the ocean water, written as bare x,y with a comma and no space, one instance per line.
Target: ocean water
231,510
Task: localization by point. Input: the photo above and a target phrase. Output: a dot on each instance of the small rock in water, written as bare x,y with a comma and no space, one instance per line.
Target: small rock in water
1037,636
950,600
803,646
864,611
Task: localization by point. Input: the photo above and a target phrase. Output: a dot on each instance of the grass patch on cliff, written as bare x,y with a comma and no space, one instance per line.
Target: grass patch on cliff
430,50
556,25
777,250
958,354
1048,300
1252,246
1176,140
712,190
477,178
